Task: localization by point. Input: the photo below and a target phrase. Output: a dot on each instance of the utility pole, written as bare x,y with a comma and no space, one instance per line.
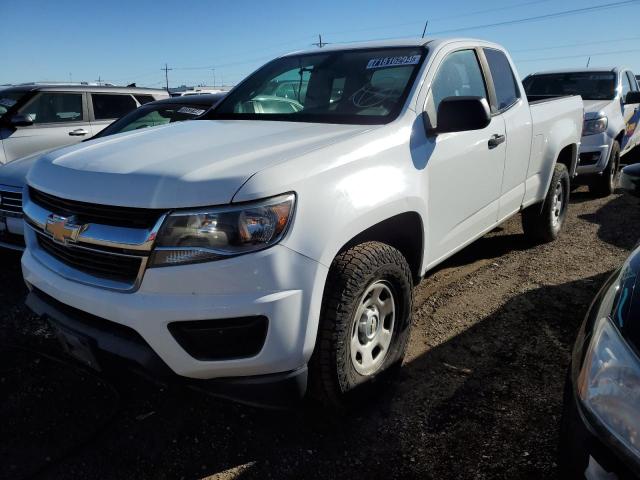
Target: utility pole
319,43
99,80
214,76
166,75
425,28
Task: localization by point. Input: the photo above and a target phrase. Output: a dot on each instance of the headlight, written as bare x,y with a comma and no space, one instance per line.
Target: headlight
609,381
215,233
597,125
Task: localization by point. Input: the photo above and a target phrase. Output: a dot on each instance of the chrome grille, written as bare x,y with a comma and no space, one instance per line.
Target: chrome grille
11,201
99,245
129,217
103,264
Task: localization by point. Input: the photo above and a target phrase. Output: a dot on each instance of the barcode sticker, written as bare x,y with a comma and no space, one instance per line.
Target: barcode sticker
393,61
7,102
191,111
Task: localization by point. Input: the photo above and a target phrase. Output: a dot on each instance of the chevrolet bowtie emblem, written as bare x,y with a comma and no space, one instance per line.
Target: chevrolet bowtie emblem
63,229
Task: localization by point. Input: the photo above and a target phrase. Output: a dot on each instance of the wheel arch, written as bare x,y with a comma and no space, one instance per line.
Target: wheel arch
404,231
568,156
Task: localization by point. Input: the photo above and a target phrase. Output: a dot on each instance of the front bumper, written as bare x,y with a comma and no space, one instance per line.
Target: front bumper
111,341
594,154
277,283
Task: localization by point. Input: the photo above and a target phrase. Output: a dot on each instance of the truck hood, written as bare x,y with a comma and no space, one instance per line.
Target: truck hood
14,173
592,108
185,164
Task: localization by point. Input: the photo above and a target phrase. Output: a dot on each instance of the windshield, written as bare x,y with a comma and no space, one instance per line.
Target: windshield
589,85
153,115
8,100
350,86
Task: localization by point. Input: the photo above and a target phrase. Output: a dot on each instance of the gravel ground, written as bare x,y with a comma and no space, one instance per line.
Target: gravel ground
479,395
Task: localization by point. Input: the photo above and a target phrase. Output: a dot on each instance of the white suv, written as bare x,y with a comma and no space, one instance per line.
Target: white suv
611,113
37,117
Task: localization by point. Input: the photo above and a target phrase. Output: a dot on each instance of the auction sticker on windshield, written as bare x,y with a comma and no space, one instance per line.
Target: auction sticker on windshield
393,61
191,111
7,102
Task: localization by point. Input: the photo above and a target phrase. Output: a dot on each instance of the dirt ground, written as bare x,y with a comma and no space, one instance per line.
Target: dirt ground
479,396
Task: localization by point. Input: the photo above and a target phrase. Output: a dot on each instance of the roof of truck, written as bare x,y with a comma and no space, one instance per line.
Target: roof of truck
387,43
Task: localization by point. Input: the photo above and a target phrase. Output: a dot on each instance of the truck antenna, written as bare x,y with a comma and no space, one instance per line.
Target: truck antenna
425,28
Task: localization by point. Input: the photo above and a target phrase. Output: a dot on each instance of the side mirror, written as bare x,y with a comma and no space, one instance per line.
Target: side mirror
632,97
630,179
21,121
459,114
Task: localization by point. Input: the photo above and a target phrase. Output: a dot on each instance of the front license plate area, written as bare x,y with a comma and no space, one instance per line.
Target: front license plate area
77,346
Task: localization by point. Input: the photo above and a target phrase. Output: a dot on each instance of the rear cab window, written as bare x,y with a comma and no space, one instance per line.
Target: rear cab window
504,81
109,106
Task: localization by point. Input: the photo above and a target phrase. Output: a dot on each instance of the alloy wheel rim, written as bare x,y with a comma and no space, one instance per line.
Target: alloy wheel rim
372,328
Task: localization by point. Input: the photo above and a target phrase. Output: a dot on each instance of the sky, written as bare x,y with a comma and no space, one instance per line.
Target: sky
221,41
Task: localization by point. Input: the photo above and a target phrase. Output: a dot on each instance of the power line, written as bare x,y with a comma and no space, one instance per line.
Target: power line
513,22
581,55
489,10
457,15
567,45
540,17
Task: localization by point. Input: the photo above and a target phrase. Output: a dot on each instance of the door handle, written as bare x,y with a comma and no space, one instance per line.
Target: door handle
496,140
79,132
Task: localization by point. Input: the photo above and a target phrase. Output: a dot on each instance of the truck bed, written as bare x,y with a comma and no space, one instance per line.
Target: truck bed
556,122
535,99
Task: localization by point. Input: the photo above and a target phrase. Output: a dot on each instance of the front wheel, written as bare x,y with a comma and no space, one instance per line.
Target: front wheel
542,222
605,184
364,323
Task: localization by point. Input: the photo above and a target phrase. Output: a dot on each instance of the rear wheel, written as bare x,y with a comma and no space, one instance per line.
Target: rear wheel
542,223
605,184
364,325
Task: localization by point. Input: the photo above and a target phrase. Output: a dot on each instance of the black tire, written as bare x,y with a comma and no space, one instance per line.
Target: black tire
334,380
542,222
605,184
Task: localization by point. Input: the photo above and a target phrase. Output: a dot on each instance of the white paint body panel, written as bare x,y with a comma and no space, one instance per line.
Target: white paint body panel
347,178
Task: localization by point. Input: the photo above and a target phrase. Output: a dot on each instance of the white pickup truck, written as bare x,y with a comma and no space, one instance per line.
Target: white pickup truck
271,248
612,109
